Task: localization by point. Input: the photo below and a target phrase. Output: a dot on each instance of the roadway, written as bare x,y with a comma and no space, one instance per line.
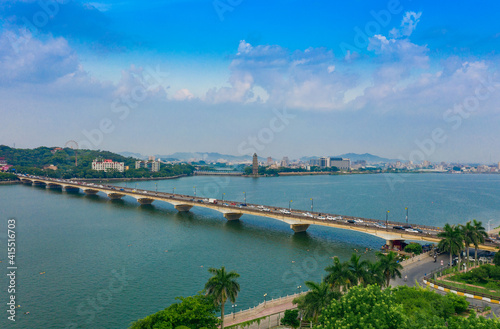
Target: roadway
299,220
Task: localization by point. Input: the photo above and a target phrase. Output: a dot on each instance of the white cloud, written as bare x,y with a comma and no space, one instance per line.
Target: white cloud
27,59
408,25
183,94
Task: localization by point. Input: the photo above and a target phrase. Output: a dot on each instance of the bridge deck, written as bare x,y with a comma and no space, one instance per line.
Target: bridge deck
294,217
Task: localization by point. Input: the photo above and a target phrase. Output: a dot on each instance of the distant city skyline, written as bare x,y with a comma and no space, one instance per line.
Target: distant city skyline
400,79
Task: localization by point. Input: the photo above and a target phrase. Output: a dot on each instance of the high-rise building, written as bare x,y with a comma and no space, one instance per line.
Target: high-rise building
255,165
324,162
285,162
152,165
498,165
269,161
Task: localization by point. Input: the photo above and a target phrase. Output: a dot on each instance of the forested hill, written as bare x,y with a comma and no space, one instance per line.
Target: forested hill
32,161
62,158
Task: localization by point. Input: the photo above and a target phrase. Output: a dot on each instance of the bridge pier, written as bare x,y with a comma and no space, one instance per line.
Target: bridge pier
183,207
297,228
232,215
389,243
115,196
54,186
71,189
90,192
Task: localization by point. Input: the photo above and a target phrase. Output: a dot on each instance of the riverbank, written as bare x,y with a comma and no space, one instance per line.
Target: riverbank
8,182
127,179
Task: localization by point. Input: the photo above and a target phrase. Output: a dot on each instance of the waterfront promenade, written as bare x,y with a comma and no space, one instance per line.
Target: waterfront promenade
414,269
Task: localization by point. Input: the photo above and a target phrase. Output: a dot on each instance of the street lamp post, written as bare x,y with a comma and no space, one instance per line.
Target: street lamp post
173,190
312,204
223,196
386,220
265,299
299,289
290,205
245,197
234,305
156,187
489,227
406,215
194,190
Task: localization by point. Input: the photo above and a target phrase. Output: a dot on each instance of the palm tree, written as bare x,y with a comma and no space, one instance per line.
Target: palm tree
221,286
339,275
319,296
389,265
451,240
468,237
375,274
478,236
358,269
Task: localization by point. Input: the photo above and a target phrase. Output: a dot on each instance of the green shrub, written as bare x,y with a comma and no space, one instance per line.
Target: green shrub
291,318
459,303
415,248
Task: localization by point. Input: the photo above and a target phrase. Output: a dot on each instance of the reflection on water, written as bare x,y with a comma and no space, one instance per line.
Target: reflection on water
78,240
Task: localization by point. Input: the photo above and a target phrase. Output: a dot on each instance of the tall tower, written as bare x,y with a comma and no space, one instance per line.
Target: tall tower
255,165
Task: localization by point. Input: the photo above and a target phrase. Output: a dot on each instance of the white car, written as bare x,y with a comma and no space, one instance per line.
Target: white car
308,214
357,221
410,230
330,218
321,217
380,225
284,211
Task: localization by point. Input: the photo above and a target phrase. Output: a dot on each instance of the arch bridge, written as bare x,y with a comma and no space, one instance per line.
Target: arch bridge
298,220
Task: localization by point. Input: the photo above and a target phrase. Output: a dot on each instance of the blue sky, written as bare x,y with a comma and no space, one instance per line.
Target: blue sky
416,80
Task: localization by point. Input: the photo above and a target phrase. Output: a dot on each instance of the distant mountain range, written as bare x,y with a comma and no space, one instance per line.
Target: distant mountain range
214,156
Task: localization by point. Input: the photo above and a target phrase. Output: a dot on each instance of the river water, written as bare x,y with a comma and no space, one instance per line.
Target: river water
88,262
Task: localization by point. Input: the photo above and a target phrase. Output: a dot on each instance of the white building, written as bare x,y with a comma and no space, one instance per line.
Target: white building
104,165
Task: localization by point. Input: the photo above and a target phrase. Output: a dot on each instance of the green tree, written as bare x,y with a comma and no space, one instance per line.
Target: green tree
375,274
478,236
451,240
361,307
468,236
358,268
221,286
339,276
319,296
291,318
389,266
194,312
496,259
415,248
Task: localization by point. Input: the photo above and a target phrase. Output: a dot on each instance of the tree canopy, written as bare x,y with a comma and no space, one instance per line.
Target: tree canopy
193,312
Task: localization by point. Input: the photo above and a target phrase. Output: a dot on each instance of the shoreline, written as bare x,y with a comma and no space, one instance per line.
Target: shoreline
128,179
9,182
